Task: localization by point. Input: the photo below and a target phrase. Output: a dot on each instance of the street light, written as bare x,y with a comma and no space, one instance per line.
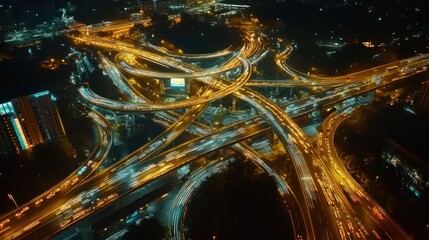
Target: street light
43,182
10,196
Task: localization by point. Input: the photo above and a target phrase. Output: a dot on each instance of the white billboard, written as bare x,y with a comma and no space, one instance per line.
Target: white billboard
177,82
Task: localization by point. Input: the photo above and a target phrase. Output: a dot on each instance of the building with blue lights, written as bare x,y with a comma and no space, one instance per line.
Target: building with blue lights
28,121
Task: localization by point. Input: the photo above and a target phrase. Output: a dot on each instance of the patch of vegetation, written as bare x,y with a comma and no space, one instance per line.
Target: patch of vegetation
192,35
239,203
366,137
27,176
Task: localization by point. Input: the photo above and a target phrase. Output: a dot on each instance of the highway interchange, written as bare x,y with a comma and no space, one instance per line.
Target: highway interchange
323,200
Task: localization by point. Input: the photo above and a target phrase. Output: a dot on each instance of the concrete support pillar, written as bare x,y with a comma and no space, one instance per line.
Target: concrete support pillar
234,104
252,111
188,86
161,86
274,140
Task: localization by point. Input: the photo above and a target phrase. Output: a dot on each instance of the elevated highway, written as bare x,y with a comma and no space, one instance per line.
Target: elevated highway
317,193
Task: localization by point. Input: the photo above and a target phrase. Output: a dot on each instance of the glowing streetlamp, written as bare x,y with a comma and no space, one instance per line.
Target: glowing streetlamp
10,196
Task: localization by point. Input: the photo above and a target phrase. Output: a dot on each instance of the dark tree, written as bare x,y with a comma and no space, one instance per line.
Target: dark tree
138,27
159,20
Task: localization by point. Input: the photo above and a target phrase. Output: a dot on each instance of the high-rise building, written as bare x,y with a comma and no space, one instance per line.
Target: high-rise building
28,121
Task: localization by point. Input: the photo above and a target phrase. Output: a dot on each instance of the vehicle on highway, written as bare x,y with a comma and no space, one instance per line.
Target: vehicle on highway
4,222
391,68
39,201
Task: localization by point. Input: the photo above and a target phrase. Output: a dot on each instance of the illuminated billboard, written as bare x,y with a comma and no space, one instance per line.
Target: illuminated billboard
177,82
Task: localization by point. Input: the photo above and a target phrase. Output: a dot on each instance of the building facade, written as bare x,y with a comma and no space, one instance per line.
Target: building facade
28,121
